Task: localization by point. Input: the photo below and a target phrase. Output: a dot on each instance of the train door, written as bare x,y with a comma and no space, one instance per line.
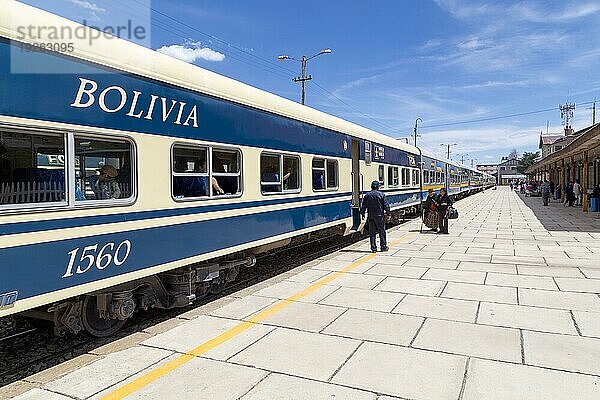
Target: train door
356,185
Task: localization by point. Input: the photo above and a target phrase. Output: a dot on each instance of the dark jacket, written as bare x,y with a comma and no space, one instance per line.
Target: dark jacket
376,203
443,202
428,202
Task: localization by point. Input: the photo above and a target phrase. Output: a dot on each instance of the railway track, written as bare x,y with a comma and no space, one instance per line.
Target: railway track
29,347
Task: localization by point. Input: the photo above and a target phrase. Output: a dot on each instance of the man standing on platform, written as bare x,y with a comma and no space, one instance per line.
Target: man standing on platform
545,189
377,205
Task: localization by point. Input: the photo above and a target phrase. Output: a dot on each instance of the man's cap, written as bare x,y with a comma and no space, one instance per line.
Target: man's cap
375,185
109,170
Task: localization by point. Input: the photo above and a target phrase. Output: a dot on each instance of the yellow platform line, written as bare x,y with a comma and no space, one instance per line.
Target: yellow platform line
172,365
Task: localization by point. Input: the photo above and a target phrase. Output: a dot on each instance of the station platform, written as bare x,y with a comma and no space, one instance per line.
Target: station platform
507,306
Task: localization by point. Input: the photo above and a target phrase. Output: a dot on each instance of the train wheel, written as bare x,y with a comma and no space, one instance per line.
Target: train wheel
96,326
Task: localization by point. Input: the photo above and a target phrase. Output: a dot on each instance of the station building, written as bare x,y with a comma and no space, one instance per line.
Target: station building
574,156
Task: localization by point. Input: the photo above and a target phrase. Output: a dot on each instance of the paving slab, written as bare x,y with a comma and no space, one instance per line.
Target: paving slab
470,340
550,271
19,388
400,271
431,263
492,380
455,276
206,379
195,332
404,372
524,281
286,289
562,300
487,267
284,387
305,316
437,307
571,353
592,273
333,265
244,307
364,299
412,286
303,354
376,326
114,368
534,318
41,394
588,323
308,276
467,291
360,281
579,285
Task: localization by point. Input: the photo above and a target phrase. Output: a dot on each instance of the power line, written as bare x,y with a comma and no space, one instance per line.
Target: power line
269,67
495,117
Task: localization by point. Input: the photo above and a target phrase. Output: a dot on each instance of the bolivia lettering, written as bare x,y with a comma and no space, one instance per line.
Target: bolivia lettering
86,97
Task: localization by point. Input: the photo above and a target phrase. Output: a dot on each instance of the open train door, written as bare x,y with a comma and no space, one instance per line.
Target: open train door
356,185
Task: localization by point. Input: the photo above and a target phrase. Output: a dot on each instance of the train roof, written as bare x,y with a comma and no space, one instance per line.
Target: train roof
129,57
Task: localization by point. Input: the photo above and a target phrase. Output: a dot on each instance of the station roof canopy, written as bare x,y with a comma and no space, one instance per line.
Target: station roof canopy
587,139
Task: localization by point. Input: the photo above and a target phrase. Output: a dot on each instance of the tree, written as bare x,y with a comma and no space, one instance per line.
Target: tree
526,161
513,155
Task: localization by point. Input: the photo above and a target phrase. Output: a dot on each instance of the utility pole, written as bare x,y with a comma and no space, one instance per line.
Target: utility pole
303,78
416,121
449,145
462,158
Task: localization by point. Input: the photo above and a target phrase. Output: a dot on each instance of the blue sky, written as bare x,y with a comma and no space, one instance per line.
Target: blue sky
445,61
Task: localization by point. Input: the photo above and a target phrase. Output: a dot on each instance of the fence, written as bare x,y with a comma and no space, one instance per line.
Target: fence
31,192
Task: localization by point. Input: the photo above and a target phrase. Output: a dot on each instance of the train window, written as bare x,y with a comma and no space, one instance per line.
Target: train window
279,173
190,173
443,178
438,177
32,168
416,177
226,173
368,154
102,169
405,177
426,177
381,175
432,177
393,179
324,174
332,174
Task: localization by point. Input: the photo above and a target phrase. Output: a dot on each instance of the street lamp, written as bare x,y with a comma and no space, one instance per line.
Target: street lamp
449,145
416,121
302,79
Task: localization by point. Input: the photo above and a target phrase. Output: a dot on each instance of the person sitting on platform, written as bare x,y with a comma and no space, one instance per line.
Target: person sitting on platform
430,215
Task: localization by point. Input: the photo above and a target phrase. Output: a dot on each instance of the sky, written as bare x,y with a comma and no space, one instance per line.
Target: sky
460,66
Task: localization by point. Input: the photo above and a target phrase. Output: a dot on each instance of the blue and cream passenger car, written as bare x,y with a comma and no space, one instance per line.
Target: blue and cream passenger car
129,179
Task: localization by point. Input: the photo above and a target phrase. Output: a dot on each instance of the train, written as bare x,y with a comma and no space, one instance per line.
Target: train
131,180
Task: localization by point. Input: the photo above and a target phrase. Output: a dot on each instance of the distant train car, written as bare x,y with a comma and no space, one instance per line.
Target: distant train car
133,180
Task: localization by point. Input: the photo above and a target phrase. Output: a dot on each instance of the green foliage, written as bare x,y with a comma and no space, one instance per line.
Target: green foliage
527,160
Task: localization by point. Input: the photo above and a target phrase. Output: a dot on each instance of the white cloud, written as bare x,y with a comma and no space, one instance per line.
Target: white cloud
191,52
88,5
92,8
